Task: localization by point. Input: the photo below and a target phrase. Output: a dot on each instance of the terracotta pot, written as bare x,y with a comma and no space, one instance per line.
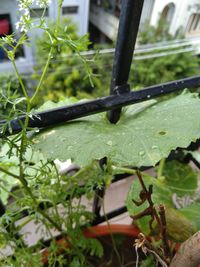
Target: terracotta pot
96,232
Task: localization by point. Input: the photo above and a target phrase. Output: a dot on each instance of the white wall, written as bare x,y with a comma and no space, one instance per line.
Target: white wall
82,17
147,10
107,23
24,64
10,7
183,10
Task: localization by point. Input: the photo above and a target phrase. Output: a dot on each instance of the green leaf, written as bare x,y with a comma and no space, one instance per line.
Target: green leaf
146,133
148,262
180,178
192,213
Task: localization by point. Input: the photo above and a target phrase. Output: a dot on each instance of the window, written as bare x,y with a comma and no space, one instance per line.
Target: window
69,10
194,23
38,12
168,12
6,29
5,25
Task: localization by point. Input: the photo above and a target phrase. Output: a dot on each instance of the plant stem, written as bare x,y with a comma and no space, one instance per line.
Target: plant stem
46,216
160,168
43,75
20,80
112,238
149,199
58,16
9,173
163,230
50,53
117,169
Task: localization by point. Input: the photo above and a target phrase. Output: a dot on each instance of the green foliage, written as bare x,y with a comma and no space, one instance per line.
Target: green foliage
151,34
30,182
157,70
148,262
180,177
48,188
10,95
146,133
68,74
163,69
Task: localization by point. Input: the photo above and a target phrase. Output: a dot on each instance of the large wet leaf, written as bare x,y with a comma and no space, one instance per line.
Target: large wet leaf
145,133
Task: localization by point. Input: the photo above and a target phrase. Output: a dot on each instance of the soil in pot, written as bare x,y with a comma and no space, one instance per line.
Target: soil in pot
122,253
119,250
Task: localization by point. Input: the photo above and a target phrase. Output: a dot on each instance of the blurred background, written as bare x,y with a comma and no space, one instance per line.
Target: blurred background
168,47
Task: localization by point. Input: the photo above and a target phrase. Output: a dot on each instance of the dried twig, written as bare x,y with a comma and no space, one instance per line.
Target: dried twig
146,195
147,247
163,231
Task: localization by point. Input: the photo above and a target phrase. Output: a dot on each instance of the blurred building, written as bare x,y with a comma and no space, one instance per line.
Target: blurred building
103,20
184,14
77,10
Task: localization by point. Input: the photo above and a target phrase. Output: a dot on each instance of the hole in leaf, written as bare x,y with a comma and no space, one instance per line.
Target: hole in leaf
162,132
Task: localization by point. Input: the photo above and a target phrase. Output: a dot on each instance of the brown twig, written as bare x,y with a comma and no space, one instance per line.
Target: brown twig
146,195
163,231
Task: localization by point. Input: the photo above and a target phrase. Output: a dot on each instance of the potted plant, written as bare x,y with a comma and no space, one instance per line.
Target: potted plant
52,198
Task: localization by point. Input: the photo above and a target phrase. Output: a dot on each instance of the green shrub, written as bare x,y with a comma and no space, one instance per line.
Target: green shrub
10,92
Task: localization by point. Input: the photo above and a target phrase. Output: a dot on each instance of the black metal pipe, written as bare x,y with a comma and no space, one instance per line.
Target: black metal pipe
67,113
129,21
109,215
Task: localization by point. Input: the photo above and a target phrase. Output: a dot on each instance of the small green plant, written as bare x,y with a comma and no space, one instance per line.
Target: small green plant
66,76
10,95
30,183
34,182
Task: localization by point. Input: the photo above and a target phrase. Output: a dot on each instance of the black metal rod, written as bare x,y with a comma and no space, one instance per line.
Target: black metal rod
128,28
110,215
67,113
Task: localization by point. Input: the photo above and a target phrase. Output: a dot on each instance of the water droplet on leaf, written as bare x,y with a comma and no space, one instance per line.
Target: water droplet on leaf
109,143
141,153
154,147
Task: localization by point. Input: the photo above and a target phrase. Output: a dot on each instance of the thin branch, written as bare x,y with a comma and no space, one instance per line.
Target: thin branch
9,173
146,195
163,231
